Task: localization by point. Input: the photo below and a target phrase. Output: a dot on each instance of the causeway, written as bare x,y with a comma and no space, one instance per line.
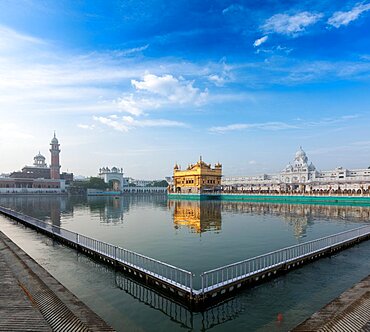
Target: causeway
32,300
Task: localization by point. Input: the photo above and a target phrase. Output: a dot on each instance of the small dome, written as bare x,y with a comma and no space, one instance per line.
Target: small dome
54,140
301,155
39,160
39,156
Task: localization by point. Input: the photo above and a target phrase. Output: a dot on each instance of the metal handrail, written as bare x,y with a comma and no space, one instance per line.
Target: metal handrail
285,248
226,274
167,272
210,279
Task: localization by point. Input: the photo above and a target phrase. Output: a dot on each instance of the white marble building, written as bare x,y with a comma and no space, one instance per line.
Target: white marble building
114,175
302,176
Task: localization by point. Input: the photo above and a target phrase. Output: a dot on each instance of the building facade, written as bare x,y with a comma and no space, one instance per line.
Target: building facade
114,176
197,179
301,176
38,178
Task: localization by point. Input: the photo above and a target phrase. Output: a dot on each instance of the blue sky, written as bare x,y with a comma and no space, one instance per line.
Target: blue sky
144,84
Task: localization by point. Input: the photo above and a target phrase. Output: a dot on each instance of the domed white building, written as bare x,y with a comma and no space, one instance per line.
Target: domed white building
114,176
39,178
39,161
302,176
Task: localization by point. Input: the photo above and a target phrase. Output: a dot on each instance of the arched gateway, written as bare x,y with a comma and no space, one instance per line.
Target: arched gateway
113,176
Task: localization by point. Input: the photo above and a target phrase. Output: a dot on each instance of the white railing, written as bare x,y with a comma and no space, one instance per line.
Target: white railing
183,279
173,275
227,274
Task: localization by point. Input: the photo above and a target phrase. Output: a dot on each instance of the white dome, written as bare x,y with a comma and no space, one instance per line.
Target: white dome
39,156
301,155
39,160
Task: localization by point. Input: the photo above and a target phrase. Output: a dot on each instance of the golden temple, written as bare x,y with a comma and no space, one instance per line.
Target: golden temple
197,179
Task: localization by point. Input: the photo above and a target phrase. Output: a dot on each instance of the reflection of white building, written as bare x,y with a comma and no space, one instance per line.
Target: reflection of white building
302,176
114,176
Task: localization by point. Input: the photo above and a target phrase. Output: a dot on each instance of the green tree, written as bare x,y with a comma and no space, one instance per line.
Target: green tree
162,183
92,183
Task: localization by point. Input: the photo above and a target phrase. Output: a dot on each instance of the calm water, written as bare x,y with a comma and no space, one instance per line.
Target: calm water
196,236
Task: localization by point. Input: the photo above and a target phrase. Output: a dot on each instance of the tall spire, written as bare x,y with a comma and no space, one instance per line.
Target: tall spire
54,164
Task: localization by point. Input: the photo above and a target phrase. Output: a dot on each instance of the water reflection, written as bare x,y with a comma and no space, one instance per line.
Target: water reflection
47,208
109,209
198,216
178,313
300,216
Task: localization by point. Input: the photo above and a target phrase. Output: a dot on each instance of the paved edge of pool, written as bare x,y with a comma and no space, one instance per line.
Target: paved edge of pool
350,311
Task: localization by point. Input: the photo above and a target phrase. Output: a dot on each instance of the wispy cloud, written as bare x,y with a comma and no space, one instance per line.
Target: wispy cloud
130,51
260,41
275,126
11,39
344,18
125,123
243,126
155,91
85,126
232,9
175,90
290,25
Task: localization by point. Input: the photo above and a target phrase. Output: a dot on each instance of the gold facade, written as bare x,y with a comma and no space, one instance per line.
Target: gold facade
198,178
199,216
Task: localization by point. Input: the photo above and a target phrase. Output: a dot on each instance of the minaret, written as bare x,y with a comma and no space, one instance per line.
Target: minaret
54,166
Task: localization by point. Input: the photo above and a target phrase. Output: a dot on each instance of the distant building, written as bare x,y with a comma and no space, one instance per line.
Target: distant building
197,178
39,170
67,177
38,178
140,183
113,176
302,176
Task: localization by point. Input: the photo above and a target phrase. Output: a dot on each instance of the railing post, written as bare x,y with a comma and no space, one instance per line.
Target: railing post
191,285
77,238
202,278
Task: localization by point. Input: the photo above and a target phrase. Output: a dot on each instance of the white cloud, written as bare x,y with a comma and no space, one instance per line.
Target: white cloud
11,39
290,24
126,123
217,80
344,18
85,126
233,8
243,126
130,105
111,122
260,41
273,126
176,90
131,51
154,92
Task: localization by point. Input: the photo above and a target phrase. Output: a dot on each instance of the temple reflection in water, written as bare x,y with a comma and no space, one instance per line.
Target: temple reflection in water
203,216
199,216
